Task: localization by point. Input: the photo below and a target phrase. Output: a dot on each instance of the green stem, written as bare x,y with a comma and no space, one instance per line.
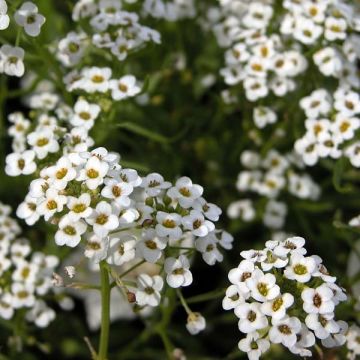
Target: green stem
183,302
105,311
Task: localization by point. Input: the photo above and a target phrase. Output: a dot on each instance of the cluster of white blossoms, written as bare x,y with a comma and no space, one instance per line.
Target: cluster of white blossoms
331,126
169,10
269,177
119,216
282,296
95,79
54,129
26,275
27,17
268,49
107,26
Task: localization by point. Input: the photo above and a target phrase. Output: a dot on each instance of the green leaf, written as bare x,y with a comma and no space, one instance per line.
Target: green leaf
137,129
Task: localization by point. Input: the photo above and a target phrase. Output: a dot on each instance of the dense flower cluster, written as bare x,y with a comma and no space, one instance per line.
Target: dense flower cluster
119,215
107,26
27,17
55,128
282,296
25,275
332,121
268,177
267,43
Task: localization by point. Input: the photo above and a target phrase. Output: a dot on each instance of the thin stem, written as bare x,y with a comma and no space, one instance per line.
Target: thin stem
183,302
105,311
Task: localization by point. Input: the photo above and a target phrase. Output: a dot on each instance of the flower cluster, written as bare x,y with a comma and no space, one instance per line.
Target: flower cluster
55,128
282,296
268,177
267,48
27,17
99,80
119,216
105,26
332,122
25,275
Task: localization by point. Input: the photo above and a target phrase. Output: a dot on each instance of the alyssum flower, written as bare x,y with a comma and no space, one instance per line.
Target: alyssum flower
264,300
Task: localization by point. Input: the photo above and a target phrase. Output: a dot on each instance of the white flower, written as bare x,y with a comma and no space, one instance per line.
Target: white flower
319,300
71,48
103,219
300,268
177,270
41,314
22,295
250,317
150,246
328,60
25,272
233,298
338,339
124,87
148,290
277,307
308,148
290,245
208,246
322,324
4,17
168,225
316,104
258,15
96,79
79,207
6,306
239,275
28,17
353,153
52,203
255,88
264,116
61,173
262,286
347,102
344,127
117,191
121,249
96,248
85,114
335,29
254,346
94,172
195,323
211,211
20,163
242,209
284,331
43,142
305,339
275,213
11,60
185,192
69,232
154,183
306,31
196,222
